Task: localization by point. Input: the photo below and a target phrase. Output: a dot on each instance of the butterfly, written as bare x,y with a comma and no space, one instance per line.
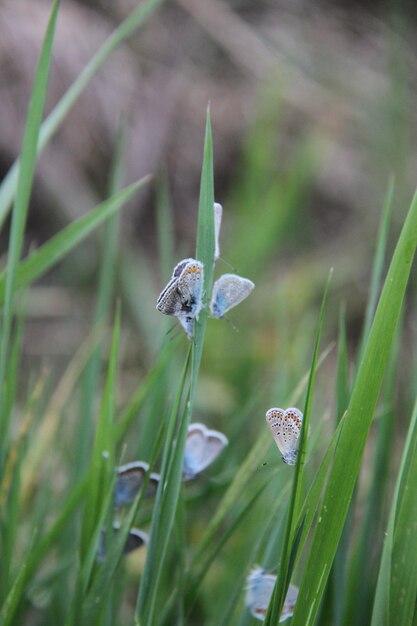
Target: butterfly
218,213
259,588
202,447
228,291
285,427
129,481
183,294
134,540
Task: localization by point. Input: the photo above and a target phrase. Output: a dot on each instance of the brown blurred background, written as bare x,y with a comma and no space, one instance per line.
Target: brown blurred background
341,75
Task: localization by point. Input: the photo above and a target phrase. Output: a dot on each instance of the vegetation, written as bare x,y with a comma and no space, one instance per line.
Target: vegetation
340,524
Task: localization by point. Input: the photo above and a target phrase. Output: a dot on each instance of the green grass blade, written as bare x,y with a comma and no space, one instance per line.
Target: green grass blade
164,511
57,116
102,462
378,266
204,250
244,475
58,246
109,238
382,601
347,461
24,187
292,533
403,586
9,607
142,392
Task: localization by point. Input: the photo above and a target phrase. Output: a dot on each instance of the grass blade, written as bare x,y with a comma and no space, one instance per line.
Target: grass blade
292,532
167,501
57,116
24,187
346,465
58,246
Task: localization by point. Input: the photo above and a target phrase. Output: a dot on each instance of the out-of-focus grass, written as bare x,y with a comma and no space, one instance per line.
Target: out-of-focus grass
64,435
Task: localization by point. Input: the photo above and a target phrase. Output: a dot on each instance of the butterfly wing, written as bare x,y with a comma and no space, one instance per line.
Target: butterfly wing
129,481
187,323
202,447
190,287
289,604
175,298
135,539
228,291
218,214
169,300
260,586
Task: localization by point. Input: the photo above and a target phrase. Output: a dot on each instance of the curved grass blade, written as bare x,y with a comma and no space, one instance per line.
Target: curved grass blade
347,460
165,508
293,532
58,246
24,186
395,598
377,267
57,116
171,474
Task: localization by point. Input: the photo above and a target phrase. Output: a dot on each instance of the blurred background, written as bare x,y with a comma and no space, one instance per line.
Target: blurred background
312,110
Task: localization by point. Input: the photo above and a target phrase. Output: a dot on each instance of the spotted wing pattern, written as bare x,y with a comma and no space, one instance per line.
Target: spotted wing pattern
285,427
183,294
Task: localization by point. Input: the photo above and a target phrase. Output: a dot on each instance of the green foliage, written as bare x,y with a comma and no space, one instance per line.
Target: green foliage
63,435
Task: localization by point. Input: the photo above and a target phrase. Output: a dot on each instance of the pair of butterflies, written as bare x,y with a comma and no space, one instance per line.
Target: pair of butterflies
259,588
285,427
202,448
183,295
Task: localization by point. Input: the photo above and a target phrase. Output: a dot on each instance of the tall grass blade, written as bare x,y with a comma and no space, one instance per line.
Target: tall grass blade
58,246
105,285
167,500
57,116
346,465
293,533
20,209
378,266
382,610
164,511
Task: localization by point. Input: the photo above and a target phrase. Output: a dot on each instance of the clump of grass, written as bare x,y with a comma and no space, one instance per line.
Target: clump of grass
58,454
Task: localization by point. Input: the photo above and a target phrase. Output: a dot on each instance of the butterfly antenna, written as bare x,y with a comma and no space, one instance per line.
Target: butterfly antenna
228,264
229,321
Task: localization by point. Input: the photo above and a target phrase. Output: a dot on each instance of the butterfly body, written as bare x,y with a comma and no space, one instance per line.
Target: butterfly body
183,295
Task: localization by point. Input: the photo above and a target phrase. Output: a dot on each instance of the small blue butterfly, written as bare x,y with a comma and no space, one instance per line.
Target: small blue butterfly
259,588
202,447
228,291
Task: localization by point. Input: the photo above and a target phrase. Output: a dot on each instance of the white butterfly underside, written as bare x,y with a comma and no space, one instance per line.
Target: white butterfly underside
218,214
182,297
228,291
202,447
259,590
285,427
129,481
